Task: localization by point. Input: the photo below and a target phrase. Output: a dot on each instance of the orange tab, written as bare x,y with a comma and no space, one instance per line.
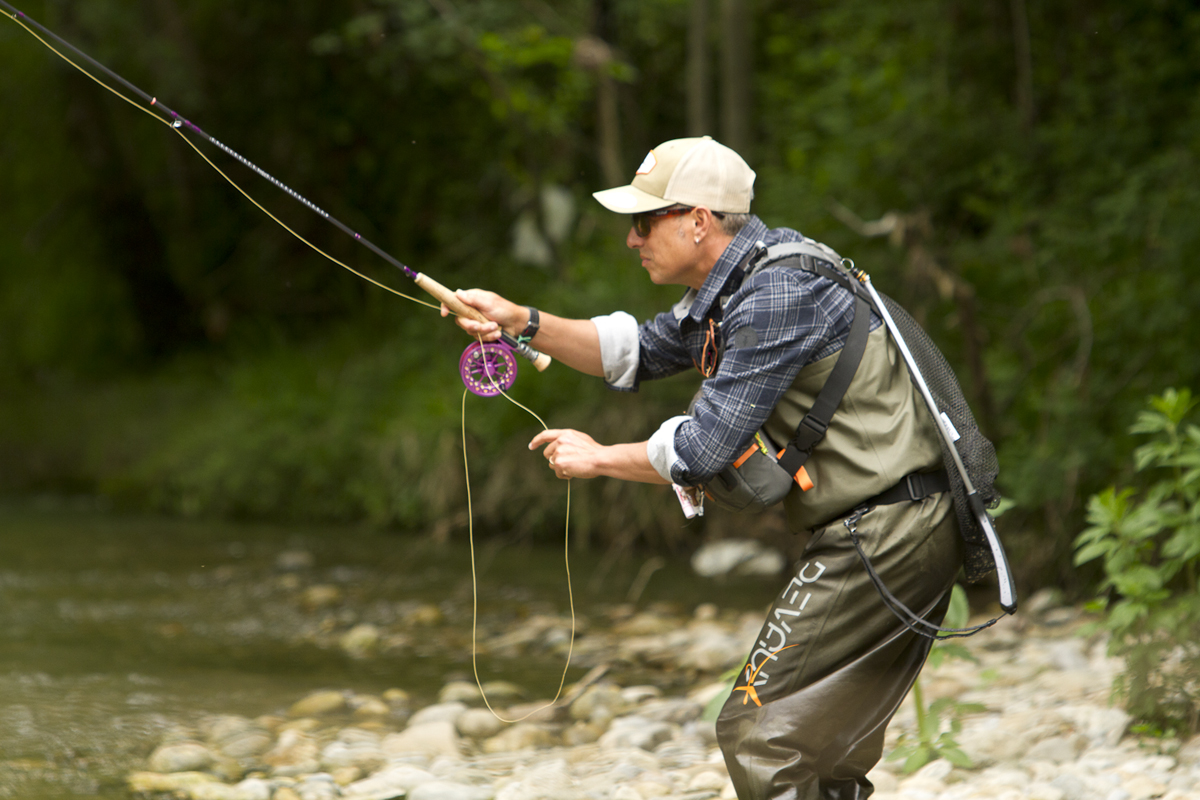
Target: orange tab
742,458
803,480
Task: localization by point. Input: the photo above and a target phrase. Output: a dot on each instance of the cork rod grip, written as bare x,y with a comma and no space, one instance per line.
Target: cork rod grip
539,360
448,298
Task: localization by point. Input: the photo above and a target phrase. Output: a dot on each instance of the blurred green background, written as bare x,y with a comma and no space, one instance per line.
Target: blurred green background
1023,176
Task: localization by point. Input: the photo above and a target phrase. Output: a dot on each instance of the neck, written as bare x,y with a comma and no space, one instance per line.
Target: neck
709,252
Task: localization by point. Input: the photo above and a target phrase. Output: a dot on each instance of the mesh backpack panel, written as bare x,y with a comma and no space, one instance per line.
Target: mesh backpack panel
977,453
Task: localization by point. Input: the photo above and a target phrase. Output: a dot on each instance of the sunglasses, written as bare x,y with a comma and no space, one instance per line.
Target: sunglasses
642,220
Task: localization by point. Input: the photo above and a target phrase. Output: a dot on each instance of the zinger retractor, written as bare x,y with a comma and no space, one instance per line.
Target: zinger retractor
488,368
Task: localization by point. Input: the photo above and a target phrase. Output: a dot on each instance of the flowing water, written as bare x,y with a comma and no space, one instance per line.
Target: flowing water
113,629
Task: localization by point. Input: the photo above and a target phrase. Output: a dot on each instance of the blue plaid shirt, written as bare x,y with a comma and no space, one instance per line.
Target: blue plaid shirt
767,329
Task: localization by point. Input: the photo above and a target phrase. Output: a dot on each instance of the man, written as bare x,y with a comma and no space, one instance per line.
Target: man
809,711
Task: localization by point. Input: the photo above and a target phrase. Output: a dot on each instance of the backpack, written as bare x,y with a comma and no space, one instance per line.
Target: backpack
760,478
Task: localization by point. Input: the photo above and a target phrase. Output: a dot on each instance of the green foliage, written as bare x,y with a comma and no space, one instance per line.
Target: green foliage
1148,543
939,723
1035,213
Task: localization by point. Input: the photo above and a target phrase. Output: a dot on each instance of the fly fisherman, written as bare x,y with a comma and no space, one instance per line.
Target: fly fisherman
808,714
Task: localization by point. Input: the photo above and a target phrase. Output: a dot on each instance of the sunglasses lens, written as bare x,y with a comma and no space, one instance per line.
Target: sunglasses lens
641,224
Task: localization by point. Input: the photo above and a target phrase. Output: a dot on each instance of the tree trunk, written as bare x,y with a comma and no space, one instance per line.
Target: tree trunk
699,70
608,120
1023,50
736,74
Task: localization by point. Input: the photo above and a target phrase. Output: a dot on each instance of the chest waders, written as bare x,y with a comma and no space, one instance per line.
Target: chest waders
809,711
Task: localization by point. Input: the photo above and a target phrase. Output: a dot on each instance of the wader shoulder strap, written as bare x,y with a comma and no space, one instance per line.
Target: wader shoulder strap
811,430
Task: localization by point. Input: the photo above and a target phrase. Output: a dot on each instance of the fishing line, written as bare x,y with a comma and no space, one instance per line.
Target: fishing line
176,127
177,124
475,581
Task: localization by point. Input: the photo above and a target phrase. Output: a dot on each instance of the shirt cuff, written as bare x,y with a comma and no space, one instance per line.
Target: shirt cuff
661,448
619,349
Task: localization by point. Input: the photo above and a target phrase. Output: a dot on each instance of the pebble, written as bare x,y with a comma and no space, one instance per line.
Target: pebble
318,704
181,757
431,739
1046,731
479,723
737,556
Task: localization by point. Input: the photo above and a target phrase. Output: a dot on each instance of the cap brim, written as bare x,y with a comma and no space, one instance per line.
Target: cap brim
630,200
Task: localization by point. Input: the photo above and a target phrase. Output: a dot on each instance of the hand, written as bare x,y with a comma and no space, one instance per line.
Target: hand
571,453
501,313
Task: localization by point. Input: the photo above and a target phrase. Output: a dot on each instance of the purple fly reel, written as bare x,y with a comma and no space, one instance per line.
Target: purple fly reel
488,369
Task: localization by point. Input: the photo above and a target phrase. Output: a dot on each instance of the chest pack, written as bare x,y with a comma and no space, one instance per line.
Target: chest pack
762,476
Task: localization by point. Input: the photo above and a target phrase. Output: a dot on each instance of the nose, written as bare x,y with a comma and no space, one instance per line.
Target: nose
632,240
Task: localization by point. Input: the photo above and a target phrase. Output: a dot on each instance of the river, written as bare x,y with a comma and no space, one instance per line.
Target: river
114,629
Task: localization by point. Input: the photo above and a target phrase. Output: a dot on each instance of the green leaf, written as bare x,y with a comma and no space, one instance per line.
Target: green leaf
919,758
955,756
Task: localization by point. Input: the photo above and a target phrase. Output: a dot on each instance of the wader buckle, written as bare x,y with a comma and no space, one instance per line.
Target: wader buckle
914,482
851,522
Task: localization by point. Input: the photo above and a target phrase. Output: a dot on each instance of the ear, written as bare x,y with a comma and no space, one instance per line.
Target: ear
704,222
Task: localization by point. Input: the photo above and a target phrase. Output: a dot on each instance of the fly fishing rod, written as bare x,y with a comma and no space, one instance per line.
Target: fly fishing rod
487,368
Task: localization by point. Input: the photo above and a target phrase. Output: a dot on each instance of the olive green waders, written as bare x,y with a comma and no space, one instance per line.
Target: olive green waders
808,713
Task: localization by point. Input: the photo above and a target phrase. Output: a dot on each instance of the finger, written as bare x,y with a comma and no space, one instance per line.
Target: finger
545,437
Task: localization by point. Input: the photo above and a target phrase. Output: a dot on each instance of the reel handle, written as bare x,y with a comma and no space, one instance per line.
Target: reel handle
451,301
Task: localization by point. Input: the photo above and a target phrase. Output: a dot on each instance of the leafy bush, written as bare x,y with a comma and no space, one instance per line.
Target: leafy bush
1149,545
939,723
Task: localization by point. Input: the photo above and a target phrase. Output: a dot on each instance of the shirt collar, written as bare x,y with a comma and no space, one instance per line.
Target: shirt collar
697,304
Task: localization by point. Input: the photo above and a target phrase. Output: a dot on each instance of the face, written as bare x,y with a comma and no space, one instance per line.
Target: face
668,252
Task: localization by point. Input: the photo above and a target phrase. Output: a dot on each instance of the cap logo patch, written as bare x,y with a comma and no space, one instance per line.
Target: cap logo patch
648,163
622,200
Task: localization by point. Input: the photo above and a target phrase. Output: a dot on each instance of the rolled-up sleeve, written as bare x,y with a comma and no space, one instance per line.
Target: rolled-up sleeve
619,349
661,448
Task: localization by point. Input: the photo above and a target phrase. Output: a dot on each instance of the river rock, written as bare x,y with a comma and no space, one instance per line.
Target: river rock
181,757
521,736
177,783
294,560
239,738
320,786
440,712
463,692
367,706
361,641
712,649
582,733
449,790
602,696
322,595
550,780
500,693
295,753
636,731
354,747
675,710
430,739
737,556
318,704
707,781
479,723
395,781
424,614
542,711
251,789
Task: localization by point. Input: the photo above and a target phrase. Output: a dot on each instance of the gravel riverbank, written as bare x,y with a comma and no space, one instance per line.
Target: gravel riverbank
1046,730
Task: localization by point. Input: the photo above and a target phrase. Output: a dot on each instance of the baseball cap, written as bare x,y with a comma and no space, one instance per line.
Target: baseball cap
694,172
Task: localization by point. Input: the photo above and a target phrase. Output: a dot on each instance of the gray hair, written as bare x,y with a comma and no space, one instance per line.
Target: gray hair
732,224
